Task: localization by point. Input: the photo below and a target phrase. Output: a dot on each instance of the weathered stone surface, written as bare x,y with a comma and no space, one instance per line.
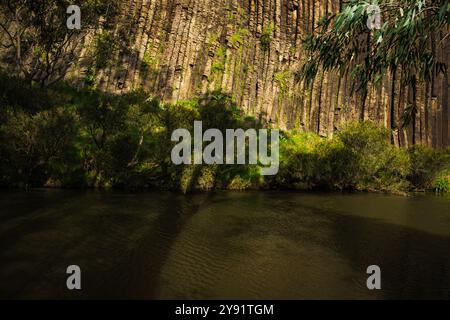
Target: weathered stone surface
192,46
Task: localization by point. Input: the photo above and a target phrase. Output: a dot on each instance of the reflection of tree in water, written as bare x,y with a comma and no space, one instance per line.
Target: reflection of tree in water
124,243
408,258
414,264
137,276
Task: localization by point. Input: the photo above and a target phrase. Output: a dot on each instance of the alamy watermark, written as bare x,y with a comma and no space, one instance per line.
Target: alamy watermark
374,281
74,20
234,145
374,19
73,282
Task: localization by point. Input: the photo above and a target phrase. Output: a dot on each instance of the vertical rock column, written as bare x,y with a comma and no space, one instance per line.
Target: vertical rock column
179,49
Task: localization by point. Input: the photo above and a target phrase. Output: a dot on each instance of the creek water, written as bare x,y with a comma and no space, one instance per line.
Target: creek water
225,245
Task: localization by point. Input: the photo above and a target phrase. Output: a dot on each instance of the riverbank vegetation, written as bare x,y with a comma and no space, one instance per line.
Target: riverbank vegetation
57,134
61,136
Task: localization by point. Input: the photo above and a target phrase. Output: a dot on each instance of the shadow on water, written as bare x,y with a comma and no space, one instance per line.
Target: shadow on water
414,264
138,275
120,242
223,245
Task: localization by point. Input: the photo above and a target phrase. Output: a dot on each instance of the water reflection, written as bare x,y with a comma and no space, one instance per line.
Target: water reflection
224,245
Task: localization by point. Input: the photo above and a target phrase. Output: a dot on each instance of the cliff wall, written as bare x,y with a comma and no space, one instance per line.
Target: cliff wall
252,49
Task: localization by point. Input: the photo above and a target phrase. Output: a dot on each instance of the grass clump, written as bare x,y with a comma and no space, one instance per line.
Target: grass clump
442,183
267,36
427,165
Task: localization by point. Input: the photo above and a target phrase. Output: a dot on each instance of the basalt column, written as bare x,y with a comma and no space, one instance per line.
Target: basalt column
252,49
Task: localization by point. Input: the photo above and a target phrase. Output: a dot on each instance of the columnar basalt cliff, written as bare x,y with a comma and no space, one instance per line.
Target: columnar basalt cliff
178,49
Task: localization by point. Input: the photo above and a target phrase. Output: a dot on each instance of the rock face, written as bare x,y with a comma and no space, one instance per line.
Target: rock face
178,49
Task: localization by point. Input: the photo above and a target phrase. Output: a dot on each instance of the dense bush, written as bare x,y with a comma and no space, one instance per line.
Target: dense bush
37,147
442,182
359,158
372,162
65,137
87,138
426,166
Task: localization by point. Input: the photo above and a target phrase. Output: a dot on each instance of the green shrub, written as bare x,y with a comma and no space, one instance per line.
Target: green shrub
360,157
65,137
207,178
426,164
218,65
267,36
37,147
281,79
239,184
104,48
442,183
237,38
372,162
188,178
297,161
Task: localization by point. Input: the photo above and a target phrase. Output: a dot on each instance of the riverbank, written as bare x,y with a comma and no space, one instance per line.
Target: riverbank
70,138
